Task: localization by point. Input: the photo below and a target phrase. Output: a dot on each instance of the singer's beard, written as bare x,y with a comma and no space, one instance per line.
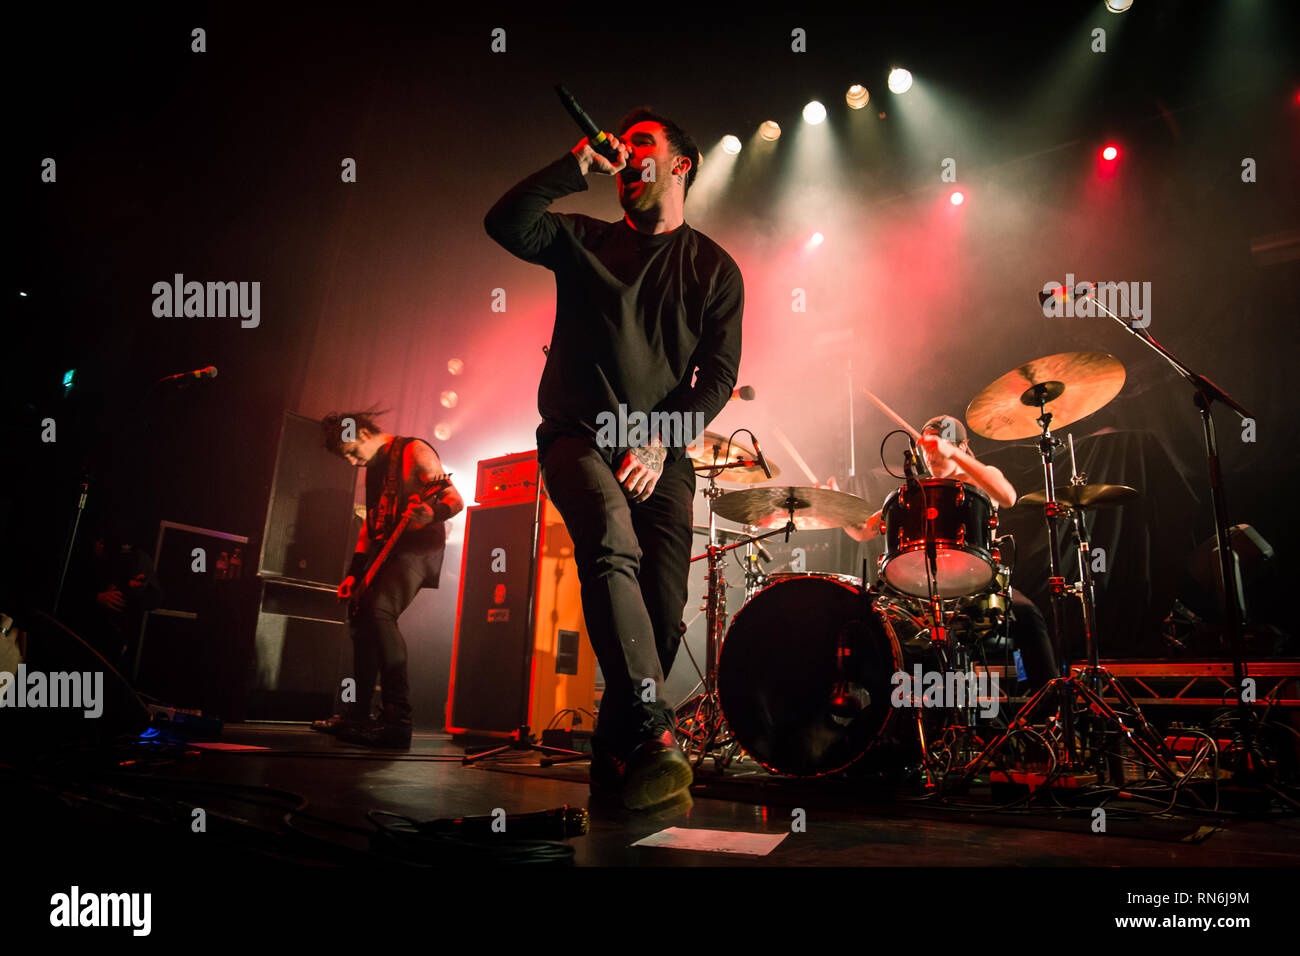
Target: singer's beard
640,197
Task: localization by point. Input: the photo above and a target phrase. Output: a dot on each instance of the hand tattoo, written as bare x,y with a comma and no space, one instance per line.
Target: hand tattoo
652,458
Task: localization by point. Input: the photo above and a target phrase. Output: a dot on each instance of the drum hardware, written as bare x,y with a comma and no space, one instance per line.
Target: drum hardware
1080,396
713,453
700,721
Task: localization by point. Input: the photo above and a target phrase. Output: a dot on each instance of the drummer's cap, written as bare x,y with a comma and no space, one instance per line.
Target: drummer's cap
947,427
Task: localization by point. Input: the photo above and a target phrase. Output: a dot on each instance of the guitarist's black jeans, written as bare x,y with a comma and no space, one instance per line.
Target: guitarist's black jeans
633,560
378,648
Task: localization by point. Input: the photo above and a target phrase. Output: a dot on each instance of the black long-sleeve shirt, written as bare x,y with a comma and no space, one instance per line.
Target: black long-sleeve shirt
635,314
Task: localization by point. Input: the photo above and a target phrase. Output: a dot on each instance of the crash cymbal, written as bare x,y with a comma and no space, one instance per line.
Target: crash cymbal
1086,496
710,450
1074,384
815,509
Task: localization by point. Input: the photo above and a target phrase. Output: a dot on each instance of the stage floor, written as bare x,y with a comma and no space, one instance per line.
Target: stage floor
846,824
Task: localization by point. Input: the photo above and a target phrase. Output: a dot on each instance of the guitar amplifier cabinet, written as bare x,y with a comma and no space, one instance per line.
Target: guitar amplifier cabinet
521,653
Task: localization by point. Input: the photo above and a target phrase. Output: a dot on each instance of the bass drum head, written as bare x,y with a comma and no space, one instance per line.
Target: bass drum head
805,676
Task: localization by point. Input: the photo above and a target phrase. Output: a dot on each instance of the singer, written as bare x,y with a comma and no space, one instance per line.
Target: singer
644,305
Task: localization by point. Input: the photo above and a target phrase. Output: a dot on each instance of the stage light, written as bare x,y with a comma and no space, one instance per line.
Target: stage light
817,239
957,198
455,366
449,399
1110,153
900,80
814,113
857,96
442,431
731,145
1118,6
23,294
770,131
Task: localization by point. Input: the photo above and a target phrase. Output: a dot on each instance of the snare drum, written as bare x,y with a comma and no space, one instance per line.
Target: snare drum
954,517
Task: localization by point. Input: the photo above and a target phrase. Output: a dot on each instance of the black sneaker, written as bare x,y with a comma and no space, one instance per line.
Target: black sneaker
657,771
377,733
333,725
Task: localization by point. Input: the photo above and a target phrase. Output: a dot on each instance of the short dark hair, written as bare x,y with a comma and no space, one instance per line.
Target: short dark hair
331,426
678,138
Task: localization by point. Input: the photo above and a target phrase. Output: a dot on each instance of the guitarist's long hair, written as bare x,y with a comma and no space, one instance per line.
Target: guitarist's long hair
331,426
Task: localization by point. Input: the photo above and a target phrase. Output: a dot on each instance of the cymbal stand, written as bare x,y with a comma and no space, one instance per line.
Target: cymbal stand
1067,691
700,722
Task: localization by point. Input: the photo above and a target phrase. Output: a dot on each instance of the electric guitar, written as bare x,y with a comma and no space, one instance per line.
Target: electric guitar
433,489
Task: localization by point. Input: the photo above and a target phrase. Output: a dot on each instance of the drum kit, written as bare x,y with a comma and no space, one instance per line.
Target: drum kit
805,679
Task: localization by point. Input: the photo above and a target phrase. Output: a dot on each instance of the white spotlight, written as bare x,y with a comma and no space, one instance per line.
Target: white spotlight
1118,6
770,131
817,239
814,113
900,80
857,96
731,145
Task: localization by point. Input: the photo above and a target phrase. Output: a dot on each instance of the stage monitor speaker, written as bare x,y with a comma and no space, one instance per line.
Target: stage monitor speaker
310,534
510,667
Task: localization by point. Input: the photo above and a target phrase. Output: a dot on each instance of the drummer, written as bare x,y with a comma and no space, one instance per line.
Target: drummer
946,449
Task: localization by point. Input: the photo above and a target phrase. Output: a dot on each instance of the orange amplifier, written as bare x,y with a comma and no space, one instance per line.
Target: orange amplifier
508,478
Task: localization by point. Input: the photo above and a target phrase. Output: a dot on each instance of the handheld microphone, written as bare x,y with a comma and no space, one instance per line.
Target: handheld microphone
745,393
762,462
558,824
189,378
596,138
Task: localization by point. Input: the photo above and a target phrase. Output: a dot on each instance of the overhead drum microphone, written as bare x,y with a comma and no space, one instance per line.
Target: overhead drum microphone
598,139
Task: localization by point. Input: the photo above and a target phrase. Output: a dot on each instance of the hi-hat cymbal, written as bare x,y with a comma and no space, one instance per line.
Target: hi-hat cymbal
710,450
815,509
1072,384
1085,496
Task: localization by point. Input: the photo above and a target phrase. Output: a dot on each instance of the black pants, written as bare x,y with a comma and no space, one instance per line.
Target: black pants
633,560
378,648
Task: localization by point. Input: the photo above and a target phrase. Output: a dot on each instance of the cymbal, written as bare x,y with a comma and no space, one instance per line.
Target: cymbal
702,452
1075,384
1086,496
815,509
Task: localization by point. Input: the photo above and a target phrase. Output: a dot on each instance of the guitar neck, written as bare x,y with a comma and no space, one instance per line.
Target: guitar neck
432,489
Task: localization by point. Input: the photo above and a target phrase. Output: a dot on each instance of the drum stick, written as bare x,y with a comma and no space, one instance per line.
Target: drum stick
798,459
890,412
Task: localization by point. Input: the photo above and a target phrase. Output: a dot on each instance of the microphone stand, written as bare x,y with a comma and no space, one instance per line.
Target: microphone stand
1243,758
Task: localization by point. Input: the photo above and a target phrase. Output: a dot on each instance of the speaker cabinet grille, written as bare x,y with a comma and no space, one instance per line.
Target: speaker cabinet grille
511,668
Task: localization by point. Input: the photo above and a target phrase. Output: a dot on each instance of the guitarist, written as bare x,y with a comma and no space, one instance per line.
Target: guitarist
399,473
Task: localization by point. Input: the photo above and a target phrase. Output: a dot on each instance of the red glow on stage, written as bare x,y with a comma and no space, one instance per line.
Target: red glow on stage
1110,153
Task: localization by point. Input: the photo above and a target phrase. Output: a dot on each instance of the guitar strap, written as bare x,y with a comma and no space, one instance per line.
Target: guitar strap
387,509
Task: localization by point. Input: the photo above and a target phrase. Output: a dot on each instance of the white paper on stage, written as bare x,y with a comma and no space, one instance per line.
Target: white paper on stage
714,841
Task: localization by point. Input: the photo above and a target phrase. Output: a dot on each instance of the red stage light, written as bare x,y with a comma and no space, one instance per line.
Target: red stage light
1110,153
957,198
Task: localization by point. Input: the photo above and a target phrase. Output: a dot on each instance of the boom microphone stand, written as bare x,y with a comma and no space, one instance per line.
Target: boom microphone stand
1247,758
